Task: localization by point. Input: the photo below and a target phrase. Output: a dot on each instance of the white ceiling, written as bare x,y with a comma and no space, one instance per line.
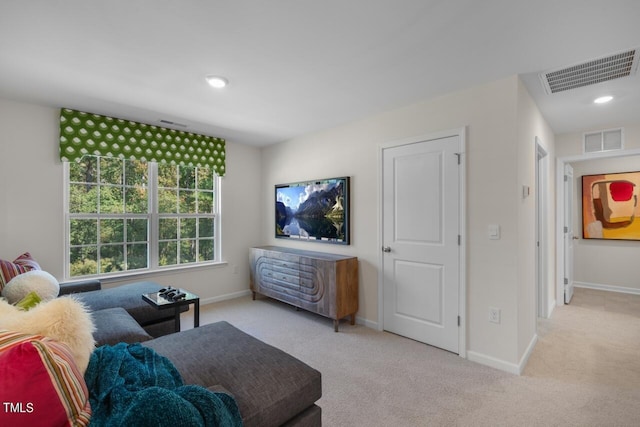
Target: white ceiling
298,66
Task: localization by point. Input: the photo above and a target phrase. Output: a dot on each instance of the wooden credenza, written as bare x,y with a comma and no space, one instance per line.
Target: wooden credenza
323,283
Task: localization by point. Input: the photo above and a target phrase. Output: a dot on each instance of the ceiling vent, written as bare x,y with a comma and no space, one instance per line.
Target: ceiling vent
589,73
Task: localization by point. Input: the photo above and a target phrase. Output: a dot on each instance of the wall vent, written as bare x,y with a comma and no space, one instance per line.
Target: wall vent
603,140
169,122
597,71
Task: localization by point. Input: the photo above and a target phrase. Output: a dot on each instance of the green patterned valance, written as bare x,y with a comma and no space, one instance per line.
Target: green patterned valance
84,133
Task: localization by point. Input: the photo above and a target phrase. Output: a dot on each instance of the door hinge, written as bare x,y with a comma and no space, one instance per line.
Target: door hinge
459,240
566,178
566,281
458,320
458,155
566,229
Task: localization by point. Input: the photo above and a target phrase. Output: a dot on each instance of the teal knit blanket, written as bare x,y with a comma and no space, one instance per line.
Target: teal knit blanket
132,385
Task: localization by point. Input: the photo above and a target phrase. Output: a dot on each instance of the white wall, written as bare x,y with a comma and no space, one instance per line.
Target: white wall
604,263
600,263
490,114
531,124
31,216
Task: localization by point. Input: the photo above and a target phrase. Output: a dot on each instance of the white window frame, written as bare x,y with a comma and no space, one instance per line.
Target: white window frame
152,237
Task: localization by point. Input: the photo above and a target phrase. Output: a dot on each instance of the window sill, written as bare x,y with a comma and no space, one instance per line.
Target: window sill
117,277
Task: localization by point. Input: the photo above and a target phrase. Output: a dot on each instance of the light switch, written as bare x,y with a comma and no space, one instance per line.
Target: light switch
494,232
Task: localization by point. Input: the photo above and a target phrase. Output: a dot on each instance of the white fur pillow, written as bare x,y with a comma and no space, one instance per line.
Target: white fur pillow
63,319
43,283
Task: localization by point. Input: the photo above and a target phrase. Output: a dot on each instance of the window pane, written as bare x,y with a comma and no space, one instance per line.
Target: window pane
188,228
206,250
187,251
205,227
83,198
111,231
84,171
168,253
205,202
102,239
137,256
137,230
111,170
111,200
83,261
167,176
111,258
167,201
205,179
187,201
83,232
135,173
136,200
168,228
187,177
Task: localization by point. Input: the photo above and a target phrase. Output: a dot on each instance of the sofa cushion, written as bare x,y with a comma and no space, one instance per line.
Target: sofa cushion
10,269
114,325
270,386
41,383
129,297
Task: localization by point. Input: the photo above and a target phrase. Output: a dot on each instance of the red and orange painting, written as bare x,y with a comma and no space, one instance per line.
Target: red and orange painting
610,206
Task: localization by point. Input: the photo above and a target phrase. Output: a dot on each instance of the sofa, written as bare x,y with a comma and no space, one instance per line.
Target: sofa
271,387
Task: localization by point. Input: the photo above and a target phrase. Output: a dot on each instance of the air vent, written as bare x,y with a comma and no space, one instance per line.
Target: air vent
597,71
604,140
169,122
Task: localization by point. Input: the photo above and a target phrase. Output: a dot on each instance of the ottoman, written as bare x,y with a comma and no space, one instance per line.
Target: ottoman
271,387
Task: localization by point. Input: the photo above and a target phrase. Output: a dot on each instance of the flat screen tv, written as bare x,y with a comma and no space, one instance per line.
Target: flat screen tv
315,211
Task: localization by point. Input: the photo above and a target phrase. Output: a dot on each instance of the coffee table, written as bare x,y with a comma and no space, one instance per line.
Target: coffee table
161,303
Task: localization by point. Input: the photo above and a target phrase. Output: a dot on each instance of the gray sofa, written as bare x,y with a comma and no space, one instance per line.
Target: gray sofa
271,387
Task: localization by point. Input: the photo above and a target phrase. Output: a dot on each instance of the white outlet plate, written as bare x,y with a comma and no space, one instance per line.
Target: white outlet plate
494,315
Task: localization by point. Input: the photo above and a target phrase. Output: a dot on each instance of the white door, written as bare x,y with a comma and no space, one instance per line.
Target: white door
568,233
421,260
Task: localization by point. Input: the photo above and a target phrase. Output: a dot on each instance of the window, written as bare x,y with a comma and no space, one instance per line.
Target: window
131,215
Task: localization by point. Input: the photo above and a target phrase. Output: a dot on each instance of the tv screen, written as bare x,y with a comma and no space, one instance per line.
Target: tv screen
314,210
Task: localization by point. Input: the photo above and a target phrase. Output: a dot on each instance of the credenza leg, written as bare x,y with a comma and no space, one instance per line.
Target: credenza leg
336,323
353,319
254,295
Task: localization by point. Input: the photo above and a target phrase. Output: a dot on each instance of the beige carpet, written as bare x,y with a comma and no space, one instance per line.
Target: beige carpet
585,369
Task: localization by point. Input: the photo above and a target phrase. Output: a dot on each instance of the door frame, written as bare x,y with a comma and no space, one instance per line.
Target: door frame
462,221
542,227
560,200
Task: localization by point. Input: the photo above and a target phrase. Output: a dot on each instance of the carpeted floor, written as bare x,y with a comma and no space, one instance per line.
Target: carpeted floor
584,371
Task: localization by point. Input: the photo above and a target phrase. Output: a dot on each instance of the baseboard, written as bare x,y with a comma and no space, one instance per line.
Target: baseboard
492,362
225,297
608,288
366,322
527,354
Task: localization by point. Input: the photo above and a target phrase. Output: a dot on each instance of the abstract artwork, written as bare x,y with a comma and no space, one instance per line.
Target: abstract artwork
610,206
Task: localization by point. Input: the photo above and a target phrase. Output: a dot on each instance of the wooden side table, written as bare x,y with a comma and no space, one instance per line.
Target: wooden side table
161,303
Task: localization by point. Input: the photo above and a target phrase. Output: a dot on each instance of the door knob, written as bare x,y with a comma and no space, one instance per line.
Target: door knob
386,249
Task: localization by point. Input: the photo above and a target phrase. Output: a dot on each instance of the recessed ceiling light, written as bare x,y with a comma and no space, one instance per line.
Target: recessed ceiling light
217,81
603,99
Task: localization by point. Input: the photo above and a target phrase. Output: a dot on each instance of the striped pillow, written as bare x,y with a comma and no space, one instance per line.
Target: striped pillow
10,269
41,385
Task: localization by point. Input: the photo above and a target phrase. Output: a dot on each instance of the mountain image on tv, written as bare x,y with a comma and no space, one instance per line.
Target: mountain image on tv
315,210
